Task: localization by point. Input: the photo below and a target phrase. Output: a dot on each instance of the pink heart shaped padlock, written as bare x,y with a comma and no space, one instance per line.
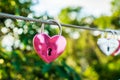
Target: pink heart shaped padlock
117,51
49,48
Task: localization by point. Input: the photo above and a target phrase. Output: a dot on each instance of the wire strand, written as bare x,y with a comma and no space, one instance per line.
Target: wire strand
5,15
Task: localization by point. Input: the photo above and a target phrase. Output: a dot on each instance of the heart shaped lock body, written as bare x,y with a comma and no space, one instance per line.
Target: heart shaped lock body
108,46
49,48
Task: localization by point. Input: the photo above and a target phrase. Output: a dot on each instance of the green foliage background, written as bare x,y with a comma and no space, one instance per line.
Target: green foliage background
81,60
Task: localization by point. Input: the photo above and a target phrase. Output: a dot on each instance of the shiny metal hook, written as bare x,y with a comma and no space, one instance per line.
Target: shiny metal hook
42,28
54,22
57,23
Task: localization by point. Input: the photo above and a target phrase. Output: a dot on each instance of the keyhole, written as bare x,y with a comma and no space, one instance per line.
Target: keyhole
49,51
108,48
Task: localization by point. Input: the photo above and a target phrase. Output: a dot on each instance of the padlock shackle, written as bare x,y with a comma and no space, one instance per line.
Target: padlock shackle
107,30
53,21
113,33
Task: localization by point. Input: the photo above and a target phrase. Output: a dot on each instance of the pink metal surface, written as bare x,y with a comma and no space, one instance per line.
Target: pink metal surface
49,48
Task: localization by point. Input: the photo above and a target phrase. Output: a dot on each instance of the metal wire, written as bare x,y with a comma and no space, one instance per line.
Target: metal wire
5,15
